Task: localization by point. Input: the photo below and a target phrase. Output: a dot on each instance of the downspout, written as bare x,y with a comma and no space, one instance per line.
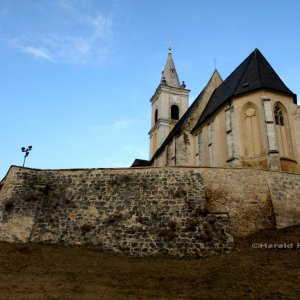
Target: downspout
175,150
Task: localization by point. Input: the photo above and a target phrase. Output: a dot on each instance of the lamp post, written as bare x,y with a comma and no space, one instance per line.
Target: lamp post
26,151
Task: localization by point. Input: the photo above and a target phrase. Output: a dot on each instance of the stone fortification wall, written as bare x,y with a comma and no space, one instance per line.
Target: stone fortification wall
285,195
150,211
146,211
253,199
243,194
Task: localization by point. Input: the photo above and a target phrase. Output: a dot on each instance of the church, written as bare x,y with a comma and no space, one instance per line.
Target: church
235,152
249,120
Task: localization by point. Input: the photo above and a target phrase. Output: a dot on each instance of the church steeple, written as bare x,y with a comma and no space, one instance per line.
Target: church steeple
169,75
169,103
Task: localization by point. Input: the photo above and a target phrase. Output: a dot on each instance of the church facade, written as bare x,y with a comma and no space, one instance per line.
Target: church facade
249,120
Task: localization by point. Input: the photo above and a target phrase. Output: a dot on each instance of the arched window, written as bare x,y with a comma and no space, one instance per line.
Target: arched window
282,131
156,116
278,115
174,112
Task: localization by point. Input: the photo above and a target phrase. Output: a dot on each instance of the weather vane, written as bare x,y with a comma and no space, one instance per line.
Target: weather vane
169,44
26,151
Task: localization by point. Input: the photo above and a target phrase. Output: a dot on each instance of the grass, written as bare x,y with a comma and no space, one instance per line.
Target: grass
31,271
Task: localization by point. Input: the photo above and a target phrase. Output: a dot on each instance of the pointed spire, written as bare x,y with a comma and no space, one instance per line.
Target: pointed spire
169,75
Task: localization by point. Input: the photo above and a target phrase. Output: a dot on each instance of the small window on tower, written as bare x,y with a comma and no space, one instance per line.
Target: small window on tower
156,116
174,112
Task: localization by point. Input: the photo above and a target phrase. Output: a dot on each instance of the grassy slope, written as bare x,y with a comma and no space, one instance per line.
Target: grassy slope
29,271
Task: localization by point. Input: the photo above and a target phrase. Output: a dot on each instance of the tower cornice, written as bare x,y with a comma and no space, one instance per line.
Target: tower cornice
169,89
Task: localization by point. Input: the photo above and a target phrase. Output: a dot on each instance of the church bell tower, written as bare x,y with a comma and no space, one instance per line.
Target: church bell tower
169,103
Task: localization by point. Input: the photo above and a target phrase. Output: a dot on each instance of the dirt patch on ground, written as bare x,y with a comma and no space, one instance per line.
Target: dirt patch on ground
30,271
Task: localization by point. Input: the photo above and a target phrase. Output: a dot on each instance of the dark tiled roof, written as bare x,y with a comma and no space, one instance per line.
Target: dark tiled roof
253,73
140,163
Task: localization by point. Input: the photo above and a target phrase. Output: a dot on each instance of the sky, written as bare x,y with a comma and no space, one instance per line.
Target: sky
77,76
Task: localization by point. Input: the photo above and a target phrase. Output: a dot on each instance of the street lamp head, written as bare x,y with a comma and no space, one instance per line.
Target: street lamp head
26,153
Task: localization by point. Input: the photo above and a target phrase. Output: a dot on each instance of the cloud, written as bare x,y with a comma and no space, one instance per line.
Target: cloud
79,35
36,52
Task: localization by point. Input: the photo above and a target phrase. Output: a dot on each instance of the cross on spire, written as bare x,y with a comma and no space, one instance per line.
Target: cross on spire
169,44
